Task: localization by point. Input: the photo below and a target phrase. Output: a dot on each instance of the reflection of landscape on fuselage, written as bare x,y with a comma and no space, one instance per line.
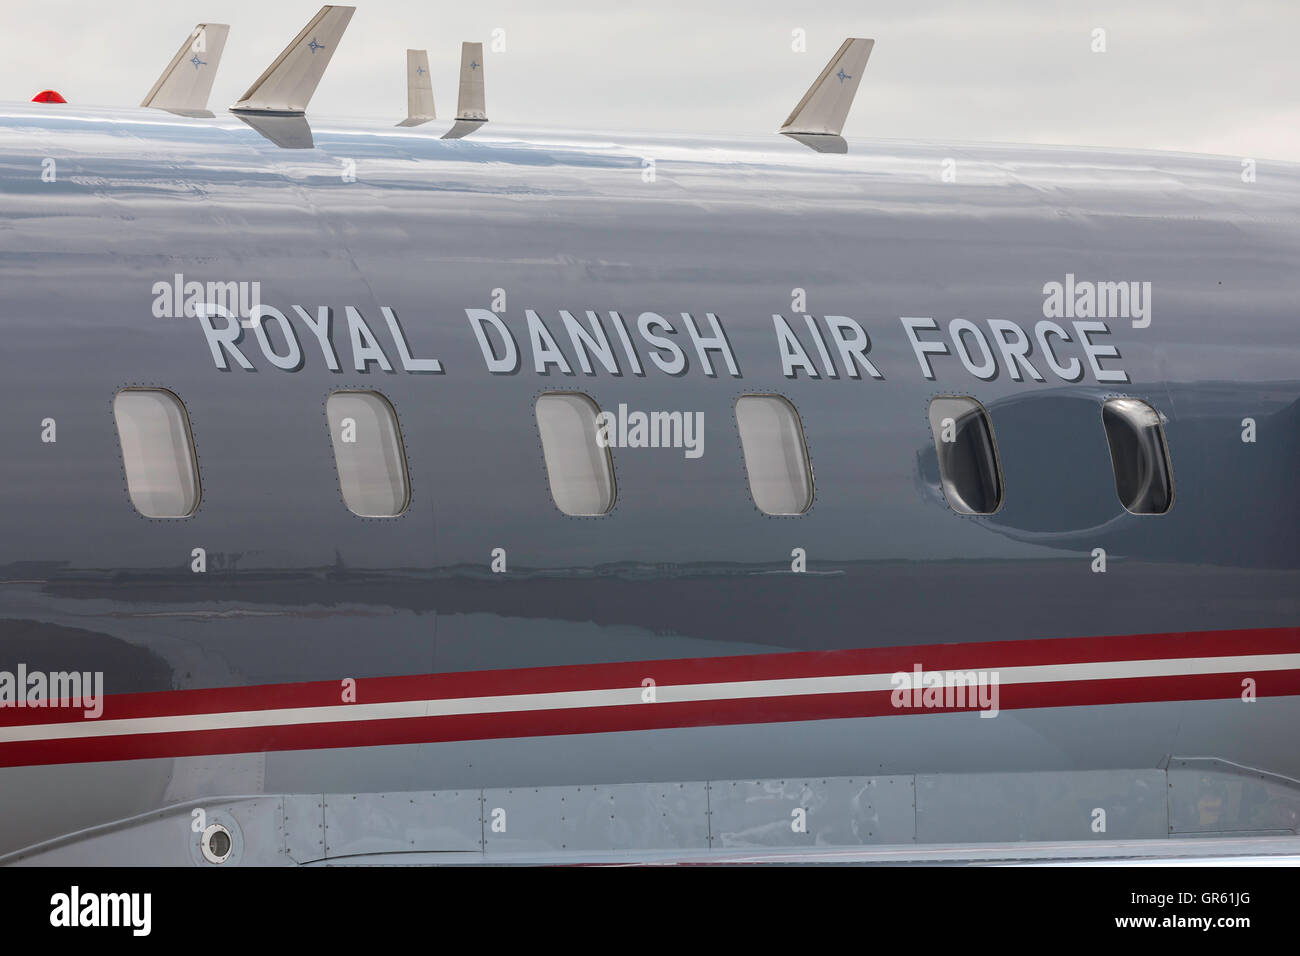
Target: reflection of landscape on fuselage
312,624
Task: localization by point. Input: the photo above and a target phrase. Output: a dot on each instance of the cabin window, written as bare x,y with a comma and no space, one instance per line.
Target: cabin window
968,455
162,474
578,465
368,453
776,457
1143,478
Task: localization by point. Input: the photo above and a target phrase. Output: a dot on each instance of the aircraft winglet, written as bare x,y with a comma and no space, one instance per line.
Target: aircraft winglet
186,83
470,104
471,109
289,82
419,89
819,117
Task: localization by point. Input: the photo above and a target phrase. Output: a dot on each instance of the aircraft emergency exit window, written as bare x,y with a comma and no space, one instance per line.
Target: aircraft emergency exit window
776,457
1143,478
968,455
579,469
162,475
368,453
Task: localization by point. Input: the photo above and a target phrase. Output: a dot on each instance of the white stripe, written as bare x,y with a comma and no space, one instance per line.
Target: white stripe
625,696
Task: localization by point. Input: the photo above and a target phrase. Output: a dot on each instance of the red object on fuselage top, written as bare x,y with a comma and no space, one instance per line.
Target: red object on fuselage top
48,96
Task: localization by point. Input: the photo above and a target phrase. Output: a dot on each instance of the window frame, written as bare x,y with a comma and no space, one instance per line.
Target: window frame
803,444
401,445
190,444
607,451
1164,450
993,444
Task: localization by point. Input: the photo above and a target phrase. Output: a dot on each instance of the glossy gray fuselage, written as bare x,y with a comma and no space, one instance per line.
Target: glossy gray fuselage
300,589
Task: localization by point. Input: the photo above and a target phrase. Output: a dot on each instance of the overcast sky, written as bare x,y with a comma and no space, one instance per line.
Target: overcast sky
1201,75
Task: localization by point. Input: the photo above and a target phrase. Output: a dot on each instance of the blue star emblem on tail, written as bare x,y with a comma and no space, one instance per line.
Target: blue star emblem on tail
314,46
419,70
197,62
842,76
473,65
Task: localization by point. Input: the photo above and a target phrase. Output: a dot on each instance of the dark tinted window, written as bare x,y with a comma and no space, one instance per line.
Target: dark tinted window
1143,479
968,457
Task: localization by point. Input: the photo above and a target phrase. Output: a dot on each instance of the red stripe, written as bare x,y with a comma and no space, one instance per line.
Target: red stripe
585,720
534,680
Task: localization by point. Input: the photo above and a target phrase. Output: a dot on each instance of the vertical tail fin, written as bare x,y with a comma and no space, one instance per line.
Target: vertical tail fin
185,85
419,89
289,82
